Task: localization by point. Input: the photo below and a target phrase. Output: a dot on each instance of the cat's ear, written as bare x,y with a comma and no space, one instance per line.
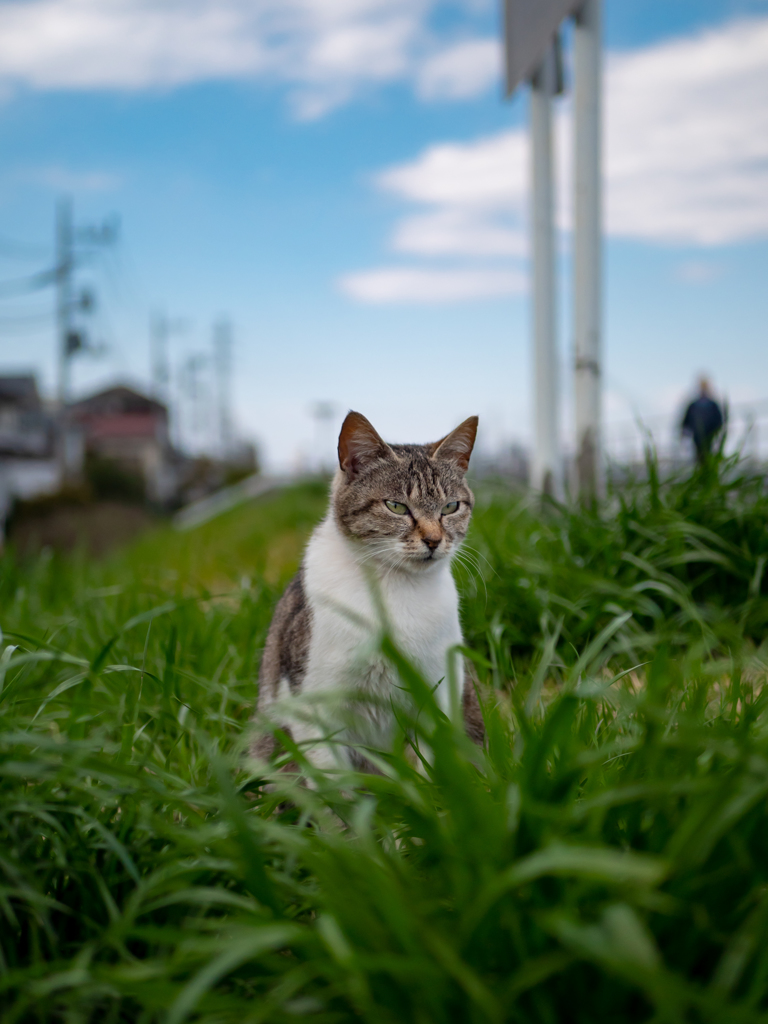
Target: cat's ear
359,444
457,446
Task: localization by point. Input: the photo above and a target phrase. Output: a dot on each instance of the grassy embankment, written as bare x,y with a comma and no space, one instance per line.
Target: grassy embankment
605,859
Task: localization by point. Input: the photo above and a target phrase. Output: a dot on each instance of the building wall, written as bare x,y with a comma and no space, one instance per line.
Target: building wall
26,479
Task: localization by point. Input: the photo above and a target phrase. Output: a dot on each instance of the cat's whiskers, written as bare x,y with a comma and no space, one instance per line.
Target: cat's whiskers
385,559
472,557
395,565
479,554
375,551
465,561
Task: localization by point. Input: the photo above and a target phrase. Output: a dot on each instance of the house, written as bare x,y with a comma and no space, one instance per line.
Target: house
35,456
25,429
131,429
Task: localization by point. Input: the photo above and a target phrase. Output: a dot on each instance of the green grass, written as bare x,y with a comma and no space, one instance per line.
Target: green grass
605,858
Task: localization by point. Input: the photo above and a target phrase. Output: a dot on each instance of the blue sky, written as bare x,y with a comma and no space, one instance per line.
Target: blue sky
342,179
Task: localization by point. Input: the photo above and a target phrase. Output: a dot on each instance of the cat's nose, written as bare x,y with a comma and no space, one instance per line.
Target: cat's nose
431,542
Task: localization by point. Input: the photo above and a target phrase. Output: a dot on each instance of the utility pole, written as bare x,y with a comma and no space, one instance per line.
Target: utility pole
587,255
160,330
546,465
222,344
63,293
71,341
196,417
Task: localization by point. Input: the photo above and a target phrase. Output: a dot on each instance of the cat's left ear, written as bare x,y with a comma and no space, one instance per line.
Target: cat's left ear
457,446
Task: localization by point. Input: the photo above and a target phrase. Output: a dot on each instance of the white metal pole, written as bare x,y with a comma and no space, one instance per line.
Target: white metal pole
546,465
587,260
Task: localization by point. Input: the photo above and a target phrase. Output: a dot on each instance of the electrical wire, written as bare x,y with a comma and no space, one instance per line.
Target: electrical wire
24,285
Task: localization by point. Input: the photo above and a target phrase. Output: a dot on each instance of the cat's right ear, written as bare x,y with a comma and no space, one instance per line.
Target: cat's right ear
359,444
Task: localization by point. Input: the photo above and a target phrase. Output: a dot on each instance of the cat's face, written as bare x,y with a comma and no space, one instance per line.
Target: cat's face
408,506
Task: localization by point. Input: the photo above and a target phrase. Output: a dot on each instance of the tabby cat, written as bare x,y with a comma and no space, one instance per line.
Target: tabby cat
398,513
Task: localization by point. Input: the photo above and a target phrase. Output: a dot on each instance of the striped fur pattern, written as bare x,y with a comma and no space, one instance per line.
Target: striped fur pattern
397,515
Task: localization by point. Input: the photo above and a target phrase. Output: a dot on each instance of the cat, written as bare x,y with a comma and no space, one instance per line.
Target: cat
398,514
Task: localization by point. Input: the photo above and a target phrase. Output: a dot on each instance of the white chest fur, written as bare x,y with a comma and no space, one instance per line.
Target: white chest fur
422,610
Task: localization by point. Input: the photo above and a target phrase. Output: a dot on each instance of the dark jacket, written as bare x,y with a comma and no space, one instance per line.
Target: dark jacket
703,418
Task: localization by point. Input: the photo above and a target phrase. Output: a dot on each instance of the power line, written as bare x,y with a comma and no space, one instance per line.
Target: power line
31,283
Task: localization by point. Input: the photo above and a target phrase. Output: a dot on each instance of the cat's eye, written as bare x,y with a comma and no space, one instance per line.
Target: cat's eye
446,510
397,507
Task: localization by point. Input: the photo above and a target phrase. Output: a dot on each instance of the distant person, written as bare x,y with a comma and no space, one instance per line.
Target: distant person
703,419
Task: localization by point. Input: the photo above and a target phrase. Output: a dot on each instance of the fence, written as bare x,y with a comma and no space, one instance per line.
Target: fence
747,425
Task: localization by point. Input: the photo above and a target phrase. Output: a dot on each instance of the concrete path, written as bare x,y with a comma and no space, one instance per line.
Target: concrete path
205,509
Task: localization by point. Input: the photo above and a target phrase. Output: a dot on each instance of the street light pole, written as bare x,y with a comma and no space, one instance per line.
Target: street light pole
546,465
587,256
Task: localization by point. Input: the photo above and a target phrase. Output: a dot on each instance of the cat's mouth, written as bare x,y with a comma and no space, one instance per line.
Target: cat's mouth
434,555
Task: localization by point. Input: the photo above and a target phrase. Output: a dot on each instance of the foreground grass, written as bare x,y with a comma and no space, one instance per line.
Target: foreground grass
604,859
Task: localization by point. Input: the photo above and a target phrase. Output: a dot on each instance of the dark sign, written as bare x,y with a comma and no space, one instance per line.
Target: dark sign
529,28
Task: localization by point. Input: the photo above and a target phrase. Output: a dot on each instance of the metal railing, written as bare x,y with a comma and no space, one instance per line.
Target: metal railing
747,432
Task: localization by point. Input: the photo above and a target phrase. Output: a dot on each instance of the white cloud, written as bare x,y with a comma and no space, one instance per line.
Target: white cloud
460,71
686,157
332,50
687,138
326,51
491,173
415,284
457,232
476,193
125,44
